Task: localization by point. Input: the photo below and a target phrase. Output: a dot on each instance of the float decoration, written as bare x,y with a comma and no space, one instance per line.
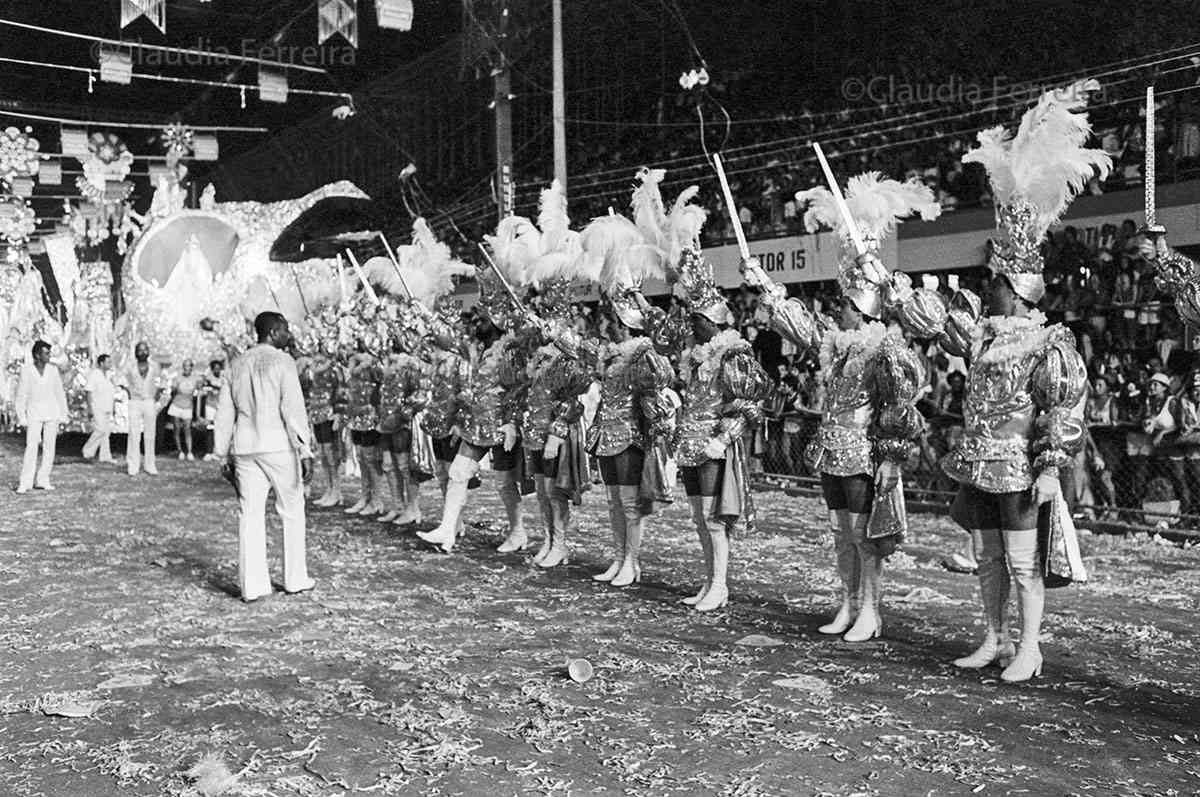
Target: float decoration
211,269
19,154
178,138
18,222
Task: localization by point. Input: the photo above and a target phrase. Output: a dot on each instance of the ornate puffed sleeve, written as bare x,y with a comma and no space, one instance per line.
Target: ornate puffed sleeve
895,376
746,386
1059,392
578,348
962,321
416,387
792,319
669,331
651,376
570,380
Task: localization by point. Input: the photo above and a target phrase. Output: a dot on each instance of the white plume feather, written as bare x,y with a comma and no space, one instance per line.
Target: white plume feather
648,211
515,246
684,224
428,265
553,220
875,204
616,251
1044,165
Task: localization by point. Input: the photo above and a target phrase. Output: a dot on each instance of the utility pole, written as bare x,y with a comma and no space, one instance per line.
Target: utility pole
559,111
505,184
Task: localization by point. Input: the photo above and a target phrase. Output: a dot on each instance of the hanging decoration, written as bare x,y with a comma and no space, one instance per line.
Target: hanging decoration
394,14
17,220
178,137
19,153
116,66
272,85
337,16
153,10
105,168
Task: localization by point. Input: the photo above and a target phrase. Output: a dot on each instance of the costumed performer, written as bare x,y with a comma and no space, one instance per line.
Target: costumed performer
723,390
872,379
1026,383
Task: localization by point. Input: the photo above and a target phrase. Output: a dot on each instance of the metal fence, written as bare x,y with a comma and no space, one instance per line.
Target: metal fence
1117,484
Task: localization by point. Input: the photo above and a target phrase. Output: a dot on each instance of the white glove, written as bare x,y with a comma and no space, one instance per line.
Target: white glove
1047,487
510,436
715,448
553,444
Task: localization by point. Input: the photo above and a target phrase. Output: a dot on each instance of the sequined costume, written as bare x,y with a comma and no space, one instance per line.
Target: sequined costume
723,390
851,440
321,383
496,392
1023,411
403,392
362,394
632,377
553,407
447,374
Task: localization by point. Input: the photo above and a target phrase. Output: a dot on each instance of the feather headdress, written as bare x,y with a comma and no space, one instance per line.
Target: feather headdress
876,205
1035,174
666,234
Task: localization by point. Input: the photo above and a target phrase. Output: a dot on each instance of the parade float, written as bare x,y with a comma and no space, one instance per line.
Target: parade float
192,279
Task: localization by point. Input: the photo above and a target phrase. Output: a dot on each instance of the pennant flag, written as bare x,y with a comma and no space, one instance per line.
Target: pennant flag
153,10
337,16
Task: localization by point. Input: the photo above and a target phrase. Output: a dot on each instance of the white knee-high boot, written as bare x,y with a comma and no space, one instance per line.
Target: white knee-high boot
848,568
700,518
459,475
394,496
631,566
616,519
560,519
541,486
329,464
868,624
717,595
443,477
993,593
410,488
1022,551
364,483
376,481
510,496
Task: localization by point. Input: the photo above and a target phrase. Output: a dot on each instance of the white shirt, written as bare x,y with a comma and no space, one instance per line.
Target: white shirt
40,397
102,390
141,388
261,409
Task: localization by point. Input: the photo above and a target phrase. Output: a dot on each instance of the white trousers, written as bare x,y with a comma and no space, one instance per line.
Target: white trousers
143,422
98,440
44,433
257,475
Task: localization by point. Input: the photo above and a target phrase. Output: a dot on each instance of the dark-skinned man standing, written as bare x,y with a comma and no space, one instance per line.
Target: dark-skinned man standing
262,434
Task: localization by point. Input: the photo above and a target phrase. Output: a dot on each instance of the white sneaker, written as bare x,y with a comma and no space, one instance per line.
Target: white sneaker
22,490
191,458
152,471
181,456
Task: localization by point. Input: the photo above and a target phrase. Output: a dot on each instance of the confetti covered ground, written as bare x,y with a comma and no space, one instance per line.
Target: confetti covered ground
128,667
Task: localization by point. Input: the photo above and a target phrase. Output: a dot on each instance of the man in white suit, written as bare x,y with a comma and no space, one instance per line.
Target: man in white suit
141,379
41,405
262,426
100,398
